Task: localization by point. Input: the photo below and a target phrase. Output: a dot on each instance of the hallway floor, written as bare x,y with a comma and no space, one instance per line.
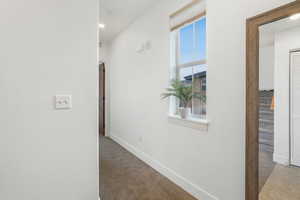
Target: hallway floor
125,177
266,166
283,184
277,182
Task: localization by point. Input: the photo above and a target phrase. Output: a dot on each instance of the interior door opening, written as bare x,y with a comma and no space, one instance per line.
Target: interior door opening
273,108
102,99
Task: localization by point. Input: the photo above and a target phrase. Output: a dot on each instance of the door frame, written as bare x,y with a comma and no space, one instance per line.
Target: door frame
252,91
291,108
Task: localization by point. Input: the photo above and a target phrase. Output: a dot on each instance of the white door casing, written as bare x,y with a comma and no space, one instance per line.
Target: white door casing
295,108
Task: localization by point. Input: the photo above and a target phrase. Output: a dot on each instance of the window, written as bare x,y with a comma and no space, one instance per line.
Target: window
188,64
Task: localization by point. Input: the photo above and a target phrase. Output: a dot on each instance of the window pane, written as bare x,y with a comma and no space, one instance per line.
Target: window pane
193,42
195,76
199,89
186,77
185,74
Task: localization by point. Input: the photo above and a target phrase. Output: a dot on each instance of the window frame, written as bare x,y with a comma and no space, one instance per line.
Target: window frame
176,66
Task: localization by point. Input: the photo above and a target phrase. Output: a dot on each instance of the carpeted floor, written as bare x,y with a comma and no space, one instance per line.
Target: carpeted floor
125,177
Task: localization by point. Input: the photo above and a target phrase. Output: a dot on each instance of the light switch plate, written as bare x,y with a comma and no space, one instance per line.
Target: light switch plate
63,101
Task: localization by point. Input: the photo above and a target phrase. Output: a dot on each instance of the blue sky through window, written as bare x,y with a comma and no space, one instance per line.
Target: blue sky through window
193,42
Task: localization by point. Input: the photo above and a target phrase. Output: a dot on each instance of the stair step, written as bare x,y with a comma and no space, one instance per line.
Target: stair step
267,131
265,109
265,105
269,96
266,148
266,136
266,126
263,112
265,100
265,141
266,117
266,112
267,121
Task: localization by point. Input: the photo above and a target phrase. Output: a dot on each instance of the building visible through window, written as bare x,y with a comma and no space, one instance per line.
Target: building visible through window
189,63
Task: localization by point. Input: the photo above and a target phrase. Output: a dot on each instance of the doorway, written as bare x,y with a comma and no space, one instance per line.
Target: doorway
102,99
279,143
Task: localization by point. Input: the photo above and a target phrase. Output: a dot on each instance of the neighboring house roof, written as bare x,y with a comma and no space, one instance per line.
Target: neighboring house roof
197,75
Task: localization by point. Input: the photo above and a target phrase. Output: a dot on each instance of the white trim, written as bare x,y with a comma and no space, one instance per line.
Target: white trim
192,22
295,164
188,186
184,15
195,123
291,132
184,8
281,159
191,64
294,160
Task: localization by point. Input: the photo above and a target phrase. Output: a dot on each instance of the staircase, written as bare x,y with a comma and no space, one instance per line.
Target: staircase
266,122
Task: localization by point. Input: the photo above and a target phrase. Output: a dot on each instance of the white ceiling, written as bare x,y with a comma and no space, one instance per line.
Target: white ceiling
118,14
268,31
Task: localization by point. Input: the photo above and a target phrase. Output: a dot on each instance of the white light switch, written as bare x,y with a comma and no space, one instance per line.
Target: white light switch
63,101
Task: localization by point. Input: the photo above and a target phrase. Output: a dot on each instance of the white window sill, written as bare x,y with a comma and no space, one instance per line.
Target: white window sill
194,123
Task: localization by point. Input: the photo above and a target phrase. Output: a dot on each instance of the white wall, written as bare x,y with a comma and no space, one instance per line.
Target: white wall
48,47
204,161
103,52
266,67
284,42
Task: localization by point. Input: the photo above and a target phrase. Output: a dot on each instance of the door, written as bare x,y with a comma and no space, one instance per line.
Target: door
102,99
295,107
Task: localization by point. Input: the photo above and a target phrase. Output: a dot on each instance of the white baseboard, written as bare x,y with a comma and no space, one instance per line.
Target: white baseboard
295,163
280,159
185,184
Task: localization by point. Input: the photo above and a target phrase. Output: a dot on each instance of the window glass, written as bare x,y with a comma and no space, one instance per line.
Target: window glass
189,66
185,74
199,90
192,45
195,76
186,77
